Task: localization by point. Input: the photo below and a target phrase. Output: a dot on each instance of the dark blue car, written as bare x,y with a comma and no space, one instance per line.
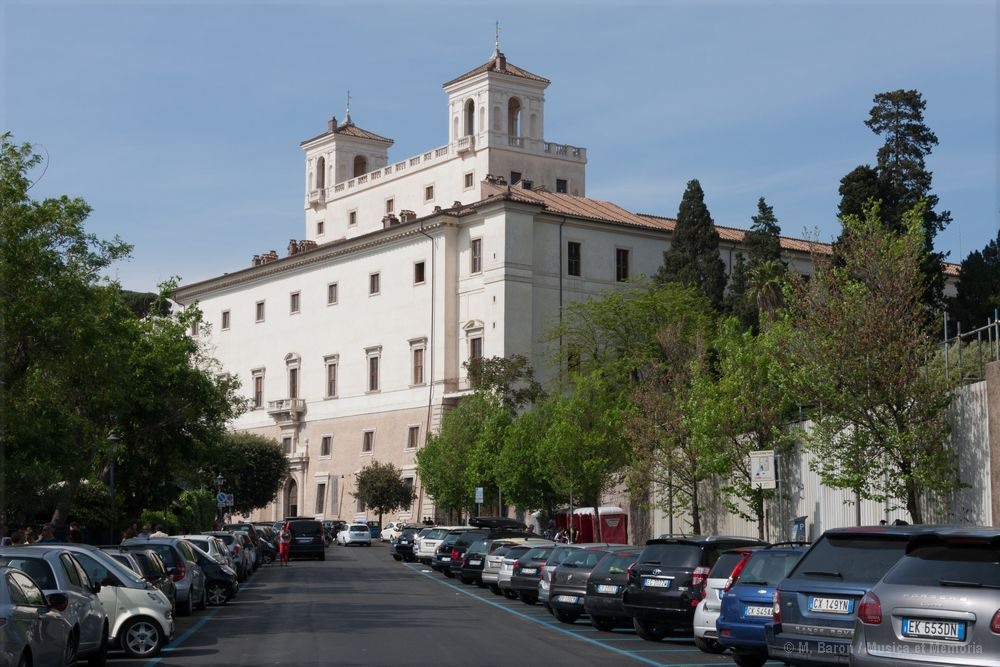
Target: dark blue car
816,605
748,604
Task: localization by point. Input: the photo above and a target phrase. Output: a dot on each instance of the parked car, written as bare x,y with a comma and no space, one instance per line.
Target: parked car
939,605
241,558
221,582
428,544
402,548
558,555
355,533
182,566
706,636
493,563
748,601
442,555
816,605
307,538
473,561
251,531
140,618
210,546
466,539
569,584
150,566
392,531
374,529
667,581
607,581
35,631
527,573
507,569
57,571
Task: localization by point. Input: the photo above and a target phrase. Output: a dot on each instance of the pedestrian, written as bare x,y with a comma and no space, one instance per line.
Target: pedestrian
75,534
29,536
284,543
144,533
48,535
159,531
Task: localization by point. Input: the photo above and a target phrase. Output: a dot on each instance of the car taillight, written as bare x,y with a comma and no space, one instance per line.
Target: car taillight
517,568
236,550
698,578
870,609
776,611
454,554
541,572
995,623
736,573
181,571
630,573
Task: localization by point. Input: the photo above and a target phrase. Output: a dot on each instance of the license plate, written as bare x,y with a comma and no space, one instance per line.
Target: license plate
755,611
919,627
403,542
607,589
568,599
529,570
718,593
831,605
476,562
649,582
446,558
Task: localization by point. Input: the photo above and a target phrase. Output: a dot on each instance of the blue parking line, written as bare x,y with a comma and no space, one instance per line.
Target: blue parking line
528,617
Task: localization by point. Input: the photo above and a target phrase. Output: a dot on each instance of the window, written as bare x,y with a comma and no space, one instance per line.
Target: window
560,185
320,498
429,193
293,303
476,258
331,294
621,264
361,507
260,311
325,445
515,176
390,206
408,483
286,445
573,258
514,117
320,173
373,284
418,365
258,388
352,218
293,382
418,273
469,182
476,348
360,165
373,355
470,116
331,375
368,442
413,437
319,228
225,320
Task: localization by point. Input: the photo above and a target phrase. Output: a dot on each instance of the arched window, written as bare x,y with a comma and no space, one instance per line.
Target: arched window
514,117
360,165
321,173
291,498
470,117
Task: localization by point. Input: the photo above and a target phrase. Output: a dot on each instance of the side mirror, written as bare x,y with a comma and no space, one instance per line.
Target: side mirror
95,587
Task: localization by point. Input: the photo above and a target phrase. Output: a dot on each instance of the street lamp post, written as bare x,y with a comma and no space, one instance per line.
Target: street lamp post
113,441
219,481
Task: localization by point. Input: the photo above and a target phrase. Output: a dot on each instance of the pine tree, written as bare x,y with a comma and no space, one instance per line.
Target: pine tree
856,189
693,258
978,287
763,247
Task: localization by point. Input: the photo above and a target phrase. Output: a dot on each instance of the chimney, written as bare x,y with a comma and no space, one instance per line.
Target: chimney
331,124
501,62
255,261
306,244
406,215
293,247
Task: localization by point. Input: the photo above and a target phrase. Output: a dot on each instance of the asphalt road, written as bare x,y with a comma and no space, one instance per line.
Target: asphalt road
360,607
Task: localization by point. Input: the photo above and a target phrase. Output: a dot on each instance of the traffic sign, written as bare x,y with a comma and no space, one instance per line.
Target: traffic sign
762,469
221,498
229,499
479,494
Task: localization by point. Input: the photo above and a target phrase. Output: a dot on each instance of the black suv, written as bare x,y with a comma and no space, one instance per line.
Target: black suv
402,549
666,582
307,538
462,543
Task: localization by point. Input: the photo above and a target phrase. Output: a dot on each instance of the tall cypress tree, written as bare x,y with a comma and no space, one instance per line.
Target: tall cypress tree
762,244
693,258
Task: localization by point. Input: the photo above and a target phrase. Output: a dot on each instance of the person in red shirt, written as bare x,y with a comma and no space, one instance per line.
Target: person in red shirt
284,543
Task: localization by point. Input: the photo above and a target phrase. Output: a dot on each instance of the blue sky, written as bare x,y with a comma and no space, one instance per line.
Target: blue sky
180,122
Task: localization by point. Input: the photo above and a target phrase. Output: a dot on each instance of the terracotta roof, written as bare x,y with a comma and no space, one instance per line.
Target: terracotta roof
349,129
498,64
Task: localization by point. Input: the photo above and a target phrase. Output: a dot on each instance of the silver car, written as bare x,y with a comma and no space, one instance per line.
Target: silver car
55,570
182,565
507,569
33,632
939,605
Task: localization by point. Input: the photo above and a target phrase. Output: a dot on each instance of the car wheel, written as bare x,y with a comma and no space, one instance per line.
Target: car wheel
100,659
749,659
70,653
603,623
216,593
268,558
185,608
509,594
25,660
565,616
465,580
494,589
529,598
141,638
653,632
709,645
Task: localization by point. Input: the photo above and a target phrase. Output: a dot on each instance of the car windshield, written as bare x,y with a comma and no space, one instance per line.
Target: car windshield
436,534
477,547
725,565
36,568
359,528
768,568
583,559
672,555
309,527
466,539
961,565
850,558
616,563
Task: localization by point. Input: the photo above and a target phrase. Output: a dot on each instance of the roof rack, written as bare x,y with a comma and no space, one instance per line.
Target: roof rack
499,522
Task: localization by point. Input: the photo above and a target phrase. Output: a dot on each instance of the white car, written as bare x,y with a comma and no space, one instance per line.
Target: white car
392,531
355,533
720,578
430,541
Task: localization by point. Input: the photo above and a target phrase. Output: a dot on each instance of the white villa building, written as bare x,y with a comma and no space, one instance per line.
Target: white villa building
352,345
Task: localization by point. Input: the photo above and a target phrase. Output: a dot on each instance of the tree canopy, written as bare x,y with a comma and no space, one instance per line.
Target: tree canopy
382,488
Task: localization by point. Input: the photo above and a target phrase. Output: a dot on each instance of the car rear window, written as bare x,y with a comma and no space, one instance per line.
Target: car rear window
409,532
516,552
309,527
850,558
451,538
725,565
538,553
477,547
466,539
584,559
672,555
201,544
767,568
359,528
164,551
559,554
957,565
436,534
36,568
228,539
616,563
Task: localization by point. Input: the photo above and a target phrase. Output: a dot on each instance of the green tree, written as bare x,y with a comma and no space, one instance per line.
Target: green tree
381,488
978,295
857,188
693,258
521,467
859,350
510,379
254,468
762,243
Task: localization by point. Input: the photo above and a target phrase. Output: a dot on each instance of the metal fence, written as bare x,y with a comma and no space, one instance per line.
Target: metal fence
967,352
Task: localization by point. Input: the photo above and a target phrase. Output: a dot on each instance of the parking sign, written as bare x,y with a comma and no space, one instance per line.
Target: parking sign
762,469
